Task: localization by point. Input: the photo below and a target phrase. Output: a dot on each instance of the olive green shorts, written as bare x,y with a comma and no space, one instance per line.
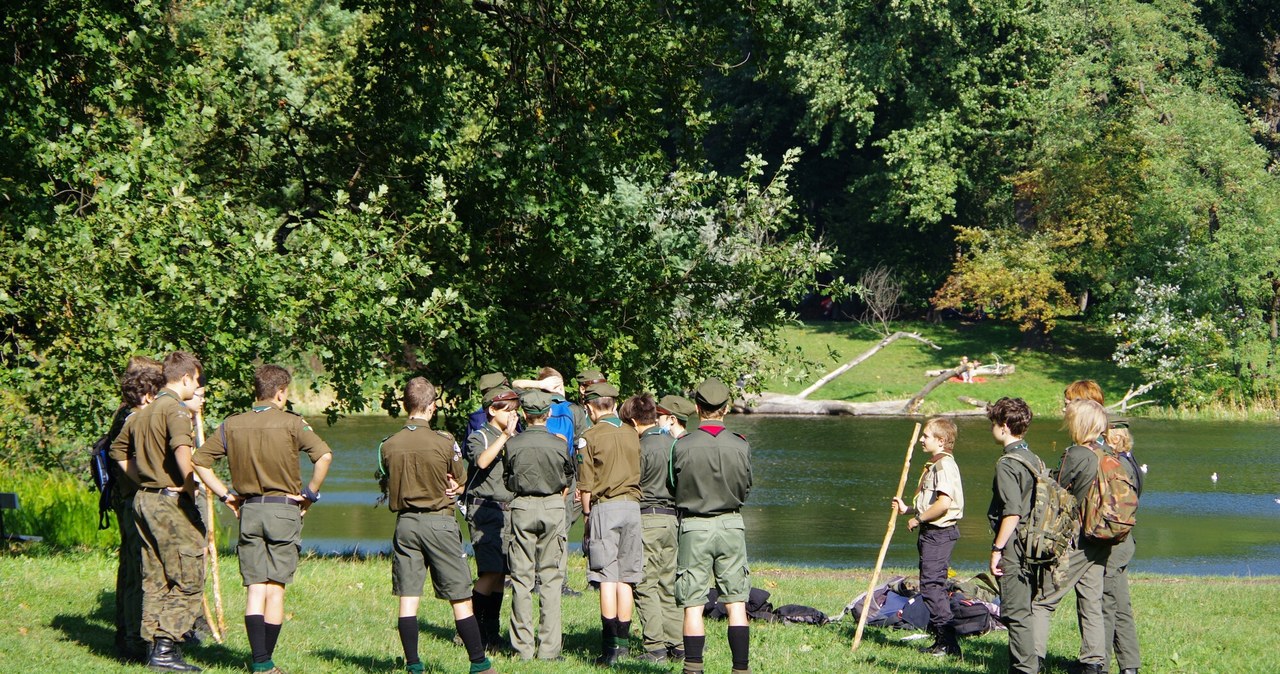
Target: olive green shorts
270,537
429,541
488,525
712,550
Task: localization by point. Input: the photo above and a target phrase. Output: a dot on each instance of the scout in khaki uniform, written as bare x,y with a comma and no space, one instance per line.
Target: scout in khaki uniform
418,466
1087,562
711,476
609,483
169,527
938,506
143,379
538,471
662,620
262,447
488,503
1012,491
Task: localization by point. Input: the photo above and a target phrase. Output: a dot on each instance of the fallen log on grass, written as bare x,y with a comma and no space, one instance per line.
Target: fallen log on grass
776,403
994,370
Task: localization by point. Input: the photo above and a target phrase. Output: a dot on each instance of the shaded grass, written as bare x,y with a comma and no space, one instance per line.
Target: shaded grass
340,618
897,372
56,506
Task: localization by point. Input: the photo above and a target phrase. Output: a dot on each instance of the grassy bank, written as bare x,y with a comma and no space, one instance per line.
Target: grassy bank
897,372
340,618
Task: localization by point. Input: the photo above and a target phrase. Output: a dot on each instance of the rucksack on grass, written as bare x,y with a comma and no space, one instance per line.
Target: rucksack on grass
1049,531
1110,510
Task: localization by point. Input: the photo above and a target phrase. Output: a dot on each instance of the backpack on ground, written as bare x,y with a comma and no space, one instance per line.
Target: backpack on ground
1110,510
103,479
1049,532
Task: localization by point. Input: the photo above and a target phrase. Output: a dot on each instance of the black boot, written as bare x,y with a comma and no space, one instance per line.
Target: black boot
947,643
167,657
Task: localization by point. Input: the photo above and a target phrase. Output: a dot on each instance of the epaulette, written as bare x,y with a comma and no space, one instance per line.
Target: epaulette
445,434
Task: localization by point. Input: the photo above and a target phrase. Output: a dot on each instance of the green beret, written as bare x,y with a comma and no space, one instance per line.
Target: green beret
498,393
601,390
492,380
678,406
712,393
536,402
589,377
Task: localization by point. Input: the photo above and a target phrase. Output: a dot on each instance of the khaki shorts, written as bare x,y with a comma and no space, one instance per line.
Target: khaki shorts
429,541
616,554
270,537
712,550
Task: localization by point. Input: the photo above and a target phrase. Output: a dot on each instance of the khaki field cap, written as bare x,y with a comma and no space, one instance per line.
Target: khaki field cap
712,393
536,402
589,377
601,390
493,395
491,380
678,406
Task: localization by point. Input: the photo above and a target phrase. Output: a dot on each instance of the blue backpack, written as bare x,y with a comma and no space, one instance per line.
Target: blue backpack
561,423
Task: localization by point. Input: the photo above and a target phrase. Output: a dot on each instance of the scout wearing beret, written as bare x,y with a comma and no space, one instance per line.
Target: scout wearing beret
142,380
660,617
488,502
609,481
263,446
537,471
486,383
674,413
168,522
419,465
711,476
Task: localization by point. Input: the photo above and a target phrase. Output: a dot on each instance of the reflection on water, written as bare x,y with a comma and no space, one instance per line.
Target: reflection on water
822,489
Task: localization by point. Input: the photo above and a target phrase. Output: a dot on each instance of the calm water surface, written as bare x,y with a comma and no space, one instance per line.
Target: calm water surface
822,487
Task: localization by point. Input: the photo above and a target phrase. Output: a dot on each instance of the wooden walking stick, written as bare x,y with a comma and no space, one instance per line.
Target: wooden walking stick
220,627
884,547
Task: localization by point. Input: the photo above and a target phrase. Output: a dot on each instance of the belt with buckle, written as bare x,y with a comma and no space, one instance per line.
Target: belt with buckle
282,500
655,510
481,502
163,491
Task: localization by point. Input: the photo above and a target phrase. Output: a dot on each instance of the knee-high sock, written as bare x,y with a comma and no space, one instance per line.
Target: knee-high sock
408,628
740,646
273,635
623,637
469,630
693,648
255,626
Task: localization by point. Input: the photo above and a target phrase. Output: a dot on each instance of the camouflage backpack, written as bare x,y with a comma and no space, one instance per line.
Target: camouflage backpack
1111,508
1049,531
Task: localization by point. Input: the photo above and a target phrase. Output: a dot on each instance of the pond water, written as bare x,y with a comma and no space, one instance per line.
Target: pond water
822,487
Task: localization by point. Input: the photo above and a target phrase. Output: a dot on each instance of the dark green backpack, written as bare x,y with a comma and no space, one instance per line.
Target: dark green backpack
1049,532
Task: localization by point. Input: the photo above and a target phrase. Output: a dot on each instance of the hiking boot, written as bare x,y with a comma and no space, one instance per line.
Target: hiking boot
167,657
612,656
566,591
945,644
1082,668
742,671
675,653
1133,670
657,655
692,668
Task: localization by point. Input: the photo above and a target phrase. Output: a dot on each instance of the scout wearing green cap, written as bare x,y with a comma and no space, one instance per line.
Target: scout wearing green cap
679,407
609,481
538,472
588,377
491,380
488,502
262,447
711,478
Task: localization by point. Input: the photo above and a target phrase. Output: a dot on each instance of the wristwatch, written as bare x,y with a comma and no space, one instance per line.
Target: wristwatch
997,548
224,497
313,496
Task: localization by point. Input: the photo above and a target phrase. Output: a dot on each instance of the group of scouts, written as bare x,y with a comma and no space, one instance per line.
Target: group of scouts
1029,593
660,483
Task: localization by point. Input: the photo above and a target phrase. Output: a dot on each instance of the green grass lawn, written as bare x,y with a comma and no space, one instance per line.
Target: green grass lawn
897,372
340,618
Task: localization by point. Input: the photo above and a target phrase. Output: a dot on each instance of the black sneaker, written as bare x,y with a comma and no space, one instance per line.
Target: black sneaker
657,655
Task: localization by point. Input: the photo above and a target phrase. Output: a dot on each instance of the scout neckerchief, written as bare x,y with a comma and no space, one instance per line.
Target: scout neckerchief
928,465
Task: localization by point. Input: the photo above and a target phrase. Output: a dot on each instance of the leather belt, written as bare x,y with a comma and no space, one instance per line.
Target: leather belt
282,500
163,491
655,510
481,502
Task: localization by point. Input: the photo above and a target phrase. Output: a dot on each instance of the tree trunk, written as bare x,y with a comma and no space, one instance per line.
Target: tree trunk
865,355
910,407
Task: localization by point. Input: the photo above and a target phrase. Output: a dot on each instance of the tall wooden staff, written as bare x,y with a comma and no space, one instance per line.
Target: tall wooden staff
220,627
884,547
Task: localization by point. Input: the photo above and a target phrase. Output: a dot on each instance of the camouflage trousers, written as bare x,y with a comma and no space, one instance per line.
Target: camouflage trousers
173,546
128,577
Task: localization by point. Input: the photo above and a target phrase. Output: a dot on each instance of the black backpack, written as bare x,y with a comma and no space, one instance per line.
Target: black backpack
104,479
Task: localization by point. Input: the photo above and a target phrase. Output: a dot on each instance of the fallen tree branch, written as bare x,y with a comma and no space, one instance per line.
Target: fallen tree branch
914,402
865,355
1123,405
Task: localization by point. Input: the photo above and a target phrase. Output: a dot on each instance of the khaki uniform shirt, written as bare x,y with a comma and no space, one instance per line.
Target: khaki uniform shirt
655,456
941,476
262,448
610,462
711,470
1077,470
157,431
1013,486
122,449
537,463
418,461
487,483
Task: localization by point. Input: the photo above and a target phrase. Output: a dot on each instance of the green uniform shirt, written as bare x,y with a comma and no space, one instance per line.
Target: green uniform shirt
655,453
711,470
262,448
1013,487
1077,470
122,449
610,461
157,431
537,463
418,461
487,482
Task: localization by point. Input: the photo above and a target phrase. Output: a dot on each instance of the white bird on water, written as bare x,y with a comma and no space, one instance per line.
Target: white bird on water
1143,468
1214,477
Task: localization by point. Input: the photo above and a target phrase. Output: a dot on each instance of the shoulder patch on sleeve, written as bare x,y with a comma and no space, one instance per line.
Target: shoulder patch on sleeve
445,434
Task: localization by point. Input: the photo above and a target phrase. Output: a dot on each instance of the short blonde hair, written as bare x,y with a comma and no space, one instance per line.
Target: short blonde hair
1084,389
1085,420
945,429
1120,439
